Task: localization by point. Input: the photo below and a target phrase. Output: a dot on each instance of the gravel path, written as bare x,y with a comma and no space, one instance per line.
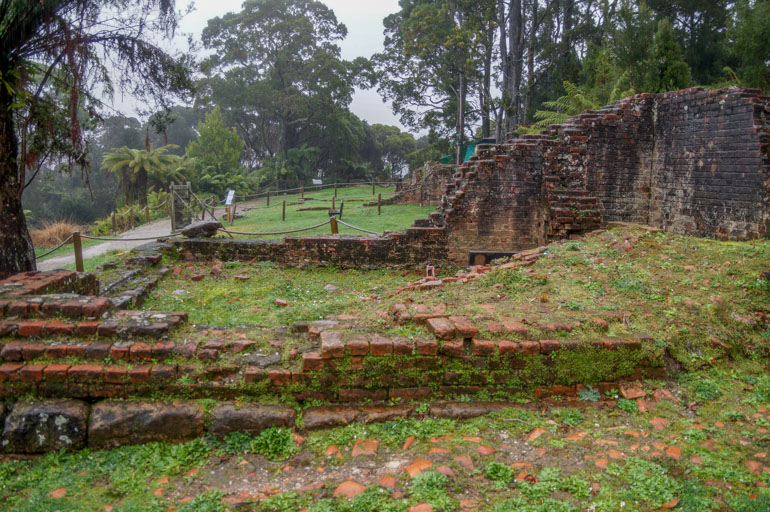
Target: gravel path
156,229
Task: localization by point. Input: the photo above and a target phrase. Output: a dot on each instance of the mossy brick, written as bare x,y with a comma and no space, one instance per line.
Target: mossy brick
279,377
108,329
7,328
411,393
331,345
12,351
312,362
381,345
358,345
78,350
527,347
162,350
548,346
18,308
59,328
427,347
31,373
359,395
452,349
253,374
115,374
9,372
31,328
30,351
85,372
4,303
442,328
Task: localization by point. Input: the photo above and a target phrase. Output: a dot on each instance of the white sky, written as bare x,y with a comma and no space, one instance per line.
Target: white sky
363,19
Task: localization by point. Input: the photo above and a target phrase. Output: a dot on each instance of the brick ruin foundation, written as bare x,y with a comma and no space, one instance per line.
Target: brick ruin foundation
694,162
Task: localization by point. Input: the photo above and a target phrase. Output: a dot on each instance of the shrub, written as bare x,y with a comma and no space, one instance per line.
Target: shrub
53,233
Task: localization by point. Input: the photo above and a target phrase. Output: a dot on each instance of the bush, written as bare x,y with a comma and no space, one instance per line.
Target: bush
52,233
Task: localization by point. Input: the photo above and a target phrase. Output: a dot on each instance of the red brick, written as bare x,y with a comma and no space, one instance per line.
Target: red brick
483,348
331,345
120,352
529,347
9,372
464,326
95,308
56,351
115,374
31,328
452,348
72,309
358,395
442,328
7,328
411,393
163,372
59,328
381,346
107,330
548,346
163,350
427,347
4,303
514,327
55,372
507,347
79,351
139,374
312,362
87,328
51,307
279,377
140,352
402,346
254,375
98,351
30,351
358,345
12,351
85,372
18,309
31,373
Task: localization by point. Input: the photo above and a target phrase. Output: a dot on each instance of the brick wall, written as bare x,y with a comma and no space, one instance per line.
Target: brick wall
433,178
694,162
414,246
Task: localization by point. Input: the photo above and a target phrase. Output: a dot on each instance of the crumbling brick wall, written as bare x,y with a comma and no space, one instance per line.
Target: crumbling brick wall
433,179
693,162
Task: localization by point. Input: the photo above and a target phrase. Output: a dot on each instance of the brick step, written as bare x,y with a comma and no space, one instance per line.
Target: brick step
124,324
68,305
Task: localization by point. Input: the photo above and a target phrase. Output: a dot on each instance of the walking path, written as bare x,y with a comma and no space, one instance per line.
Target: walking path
156,229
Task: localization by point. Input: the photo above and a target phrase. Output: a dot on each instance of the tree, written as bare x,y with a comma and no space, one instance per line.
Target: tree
140,169
277,74
54,52
750,38
395,147
668,70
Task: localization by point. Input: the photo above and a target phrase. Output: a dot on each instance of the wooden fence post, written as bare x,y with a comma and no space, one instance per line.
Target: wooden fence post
335,190
333,223
232,211
268,197
422,196
114,225
379,204
147,213
131,217
373,186
78,251
333,202
302,190
284,209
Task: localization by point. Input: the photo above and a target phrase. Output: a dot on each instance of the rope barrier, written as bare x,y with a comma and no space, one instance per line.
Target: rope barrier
357,228
68,240
278,232
121,239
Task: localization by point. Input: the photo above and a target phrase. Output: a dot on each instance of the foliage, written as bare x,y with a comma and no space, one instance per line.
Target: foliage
273,442
157,203
142,169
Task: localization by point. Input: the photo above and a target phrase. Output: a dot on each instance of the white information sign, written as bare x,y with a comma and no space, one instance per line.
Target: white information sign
317,182
230,197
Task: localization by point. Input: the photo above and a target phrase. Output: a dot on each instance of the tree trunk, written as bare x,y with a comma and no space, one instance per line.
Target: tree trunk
461,118
16,251
531,65
512,64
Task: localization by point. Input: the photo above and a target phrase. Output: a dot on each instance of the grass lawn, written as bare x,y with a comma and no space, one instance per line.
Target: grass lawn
227,301
314,210
63,251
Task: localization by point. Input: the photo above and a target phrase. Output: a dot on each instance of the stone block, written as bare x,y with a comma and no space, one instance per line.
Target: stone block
248,418
47,426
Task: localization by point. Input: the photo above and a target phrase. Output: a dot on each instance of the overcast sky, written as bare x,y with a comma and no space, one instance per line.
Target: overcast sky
363,19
